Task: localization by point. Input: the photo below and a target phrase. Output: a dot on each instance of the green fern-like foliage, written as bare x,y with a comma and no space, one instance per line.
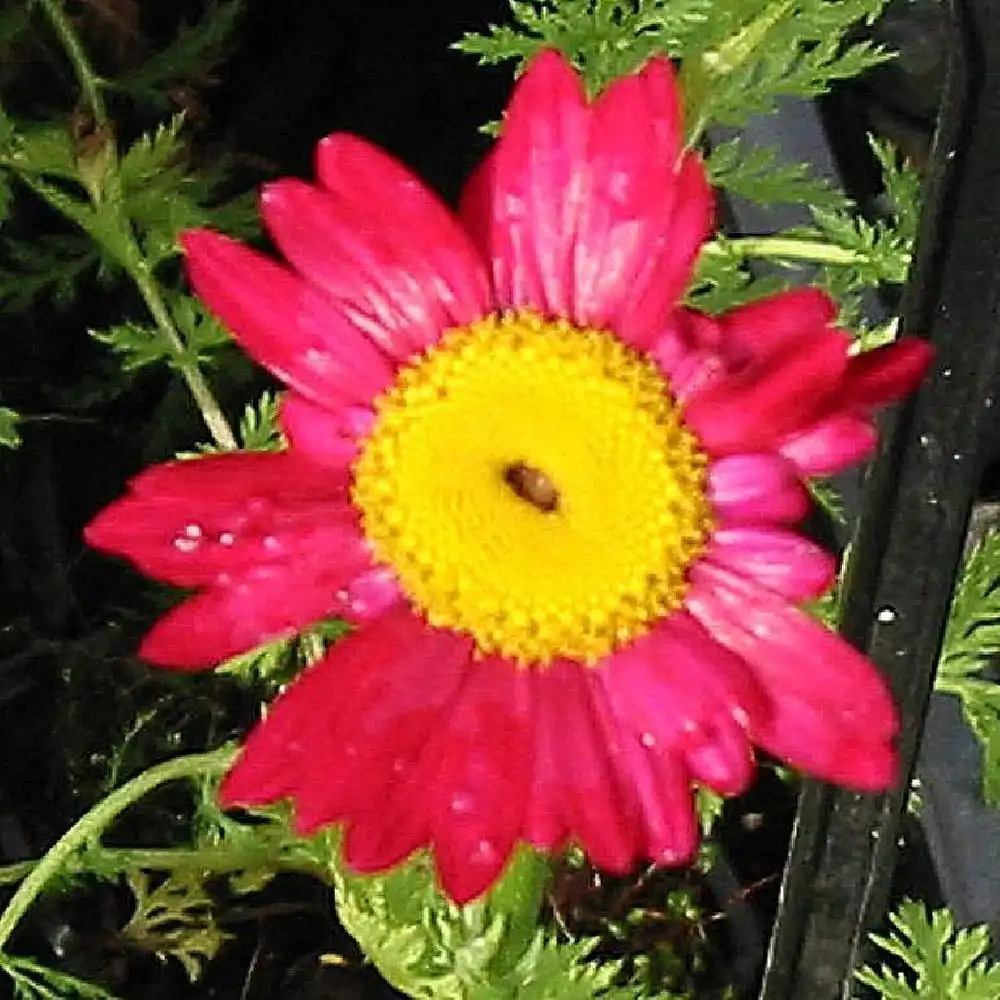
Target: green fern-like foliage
971,644
939,962
433,950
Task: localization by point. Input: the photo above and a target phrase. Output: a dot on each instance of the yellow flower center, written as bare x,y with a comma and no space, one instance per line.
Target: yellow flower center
532,484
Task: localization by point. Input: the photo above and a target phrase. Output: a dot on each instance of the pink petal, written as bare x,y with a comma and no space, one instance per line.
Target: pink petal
293,330
682,692
810,739
267,603
886,374
667,260
756,489
658,786
426,235
483,778
325,436
376,271
783,561
629,190
523,203
792,654
776,324
831,445
764,403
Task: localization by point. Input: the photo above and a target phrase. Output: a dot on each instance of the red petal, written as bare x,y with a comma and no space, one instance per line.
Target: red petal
886,374
267,768
762,404
293,330
267,603
395,679
595,804
189,525
484,754
776,324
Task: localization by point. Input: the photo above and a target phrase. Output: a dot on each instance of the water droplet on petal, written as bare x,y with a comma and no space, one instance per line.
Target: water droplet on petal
226,538
648,740
741,717
461,802
193,530
184,544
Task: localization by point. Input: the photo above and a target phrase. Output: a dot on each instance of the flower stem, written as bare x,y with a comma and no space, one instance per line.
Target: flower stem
188,368
785,248
90,82
131,256
94,822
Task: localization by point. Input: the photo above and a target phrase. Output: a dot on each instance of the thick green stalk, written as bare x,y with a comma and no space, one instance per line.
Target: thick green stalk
92,824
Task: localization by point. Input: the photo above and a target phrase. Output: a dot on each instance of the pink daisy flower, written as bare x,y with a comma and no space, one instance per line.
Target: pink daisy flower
558,510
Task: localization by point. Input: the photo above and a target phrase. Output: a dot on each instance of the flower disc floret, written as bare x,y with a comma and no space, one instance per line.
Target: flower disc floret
532,484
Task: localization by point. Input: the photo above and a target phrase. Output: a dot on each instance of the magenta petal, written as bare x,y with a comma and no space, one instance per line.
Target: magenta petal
783,561
268,764
764,403
776,324
325,436
268,603
206,521
665,270
659,787
791,654
428,239
378,280
397,677
886,374
535,178
290,328
589,796
546,822
683,693
831,445
814,741
756,489
626,207
483,780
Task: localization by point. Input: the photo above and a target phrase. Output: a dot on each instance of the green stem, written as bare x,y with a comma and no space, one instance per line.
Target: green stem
188,367
785,248
90,82
169,859
89,827
135,264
